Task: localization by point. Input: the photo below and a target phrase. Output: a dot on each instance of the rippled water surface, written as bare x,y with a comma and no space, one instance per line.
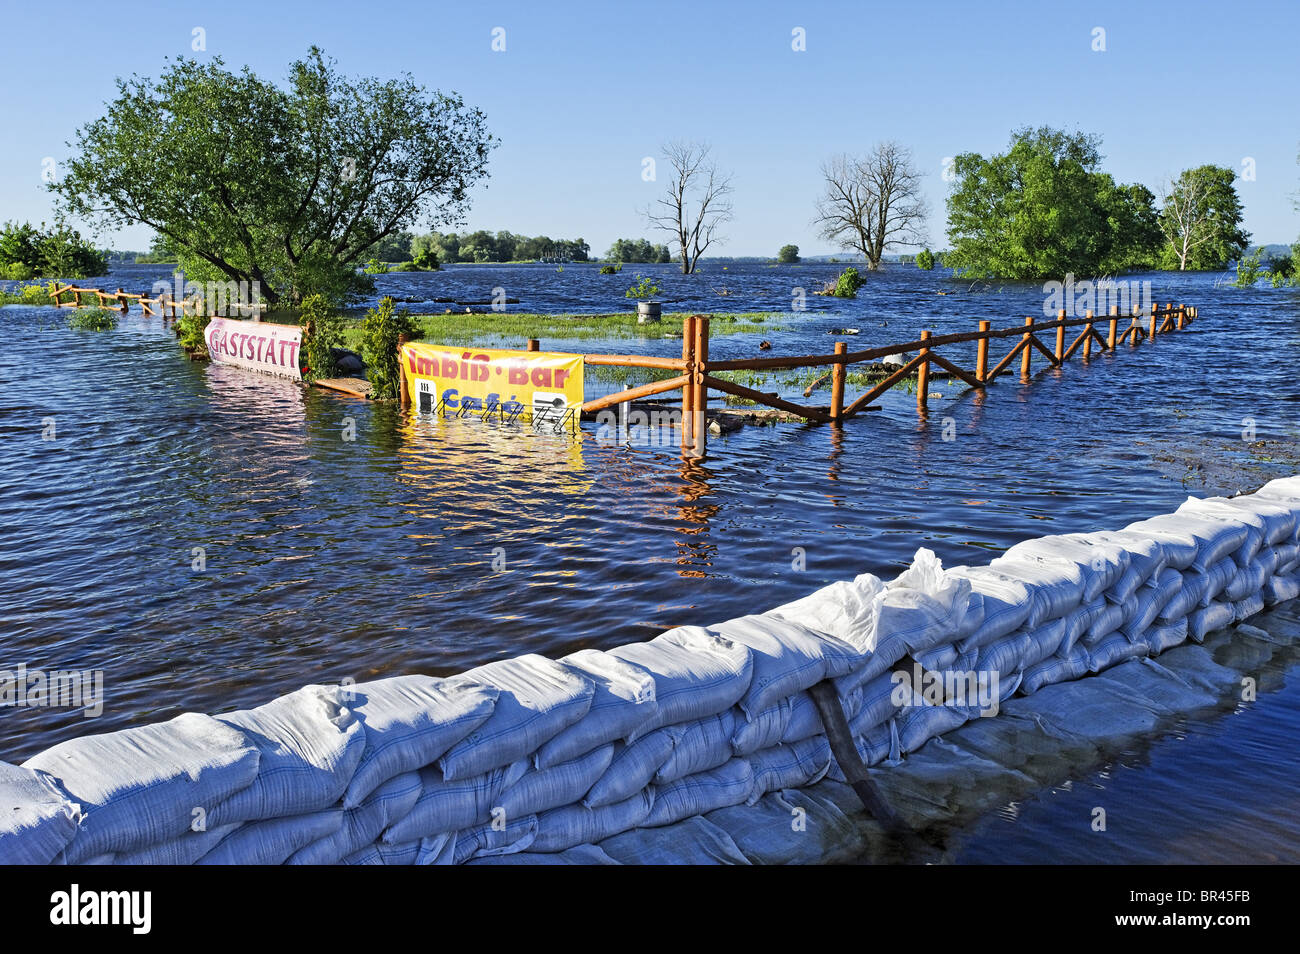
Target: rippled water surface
329,559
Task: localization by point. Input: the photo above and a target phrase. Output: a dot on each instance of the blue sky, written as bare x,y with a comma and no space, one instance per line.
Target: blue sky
584,91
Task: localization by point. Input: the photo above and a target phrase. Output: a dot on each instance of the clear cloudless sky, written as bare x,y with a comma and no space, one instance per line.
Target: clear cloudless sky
584,91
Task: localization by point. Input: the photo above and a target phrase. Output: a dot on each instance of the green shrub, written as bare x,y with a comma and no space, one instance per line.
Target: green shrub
1248,271
925,260
426,259
93,319
190,329
643,289
321,331
375,267
847,285
611,269
380,330
27,251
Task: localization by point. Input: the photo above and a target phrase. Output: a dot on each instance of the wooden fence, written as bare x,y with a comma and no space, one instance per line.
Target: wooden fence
165,305
696,378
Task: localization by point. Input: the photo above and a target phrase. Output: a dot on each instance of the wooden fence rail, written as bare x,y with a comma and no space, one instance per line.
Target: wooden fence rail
697,377
166,305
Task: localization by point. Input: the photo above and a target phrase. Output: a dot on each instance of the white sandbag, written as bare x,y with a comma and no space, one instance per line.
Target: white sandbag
1109,620
1288,558
1279,589
538,698
917,724
878,745
1213,508
789,766
1248,580
1216,616
1006,603
1280,518
541,789
1005,656
1160,638
789,720
37,819
1078,620
271,842
140,786
1045,641
1150,599
1148,554
1055,586
697,746
940,657
391,801
729,784
572,825
185,849
1115,648
1248,607
1217,577
696,674
437,850
631,770
452,804
309,744
875,702
844,609
624,698
1100,563
1069,665
488,841
787,657
1193,590
379,853
1214,538
919,610
410,722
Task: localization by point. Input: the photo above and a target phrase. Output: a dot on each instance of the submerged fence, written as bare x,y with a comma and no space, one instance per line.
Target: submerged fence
697,378
165,305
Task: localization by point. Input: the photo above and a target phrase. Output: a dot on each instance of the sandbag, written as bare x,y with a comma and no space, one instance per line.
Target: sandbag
1005,656
917,724
1214,538
874,702
1115,648
1280,519
572,825
789,720
1099,563
1151,598
631,769
787,657
185,849
1055,586
379,853
141,786
538,698
623,699
1045,641
391,801
697,746
540,789
487,841
309,744
37,819
846,609
1247,580
410,722
729,784
452,804
1069,665
1206,620
922,608
271,842
696,674
693,841
1279,589
1220,510
1006,602
1160,638
789,766
1078,621
1248,607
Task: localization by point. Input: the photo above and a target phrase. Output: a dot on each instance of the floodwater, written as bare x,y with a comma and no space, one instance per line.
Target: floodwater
208,538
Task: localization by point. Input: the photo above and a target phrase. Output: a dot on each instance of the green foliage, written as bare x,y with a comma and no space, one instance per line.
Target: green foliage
611,269
30,252
1044,209
1201,220
638,252
643,289
925,260
482,246
848,283
375,267
380,331
190,329
1248,270
291,186
322,329
788,255
93,319
427,259
29,295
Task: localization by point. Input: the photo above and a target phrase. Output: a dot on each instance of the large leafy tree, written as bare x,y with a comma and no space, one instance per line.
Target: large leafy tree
1043,208
1201,220
289,186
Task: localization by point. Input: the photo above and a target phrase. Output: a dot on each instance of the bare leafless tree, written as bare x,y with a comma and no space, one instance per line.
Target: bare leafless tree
1184,217
696,203
873,202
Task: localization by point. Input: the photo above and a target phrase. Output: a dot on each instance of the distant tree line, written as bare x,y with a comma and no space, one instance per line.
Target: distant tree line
27,251
638,251
502,246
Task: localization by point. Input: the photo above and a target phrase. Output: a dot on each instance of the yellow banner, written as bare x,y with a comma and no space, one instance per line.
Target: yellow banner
536,386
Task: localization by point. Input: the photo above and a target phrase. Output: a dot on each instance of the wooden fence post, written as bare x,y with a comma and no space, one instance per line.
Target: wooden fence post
1024,357
533,344
688,389
923,375
1087,335
838,373
1155,321
402,394
1060,338
982,353
700,404
1114,327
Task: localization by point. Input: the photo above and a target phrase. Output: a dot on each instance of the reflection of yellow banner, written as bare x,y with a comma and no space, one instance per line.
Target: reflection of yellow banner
512,385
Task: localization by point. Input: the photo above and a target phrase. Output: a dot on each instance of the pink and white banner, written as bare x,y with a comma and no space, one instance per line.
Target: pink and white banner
257,345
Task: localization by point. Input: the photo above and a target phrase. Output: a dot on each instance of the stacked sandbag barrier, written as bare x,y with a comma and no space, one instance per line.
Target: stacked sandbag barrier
598,748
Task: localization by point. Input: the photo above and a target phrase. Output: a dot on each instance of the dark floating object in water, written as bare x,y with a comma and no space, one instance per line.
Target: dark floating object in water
765,346
844,331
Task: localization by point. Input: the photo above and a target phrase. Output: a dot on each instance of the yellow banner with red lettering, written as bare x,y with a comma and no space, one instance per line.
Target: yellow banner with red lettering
538,386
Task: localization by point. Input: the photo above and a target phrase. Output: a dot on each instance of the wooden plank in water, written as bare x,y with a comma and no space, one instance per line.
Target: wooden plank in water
356,387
